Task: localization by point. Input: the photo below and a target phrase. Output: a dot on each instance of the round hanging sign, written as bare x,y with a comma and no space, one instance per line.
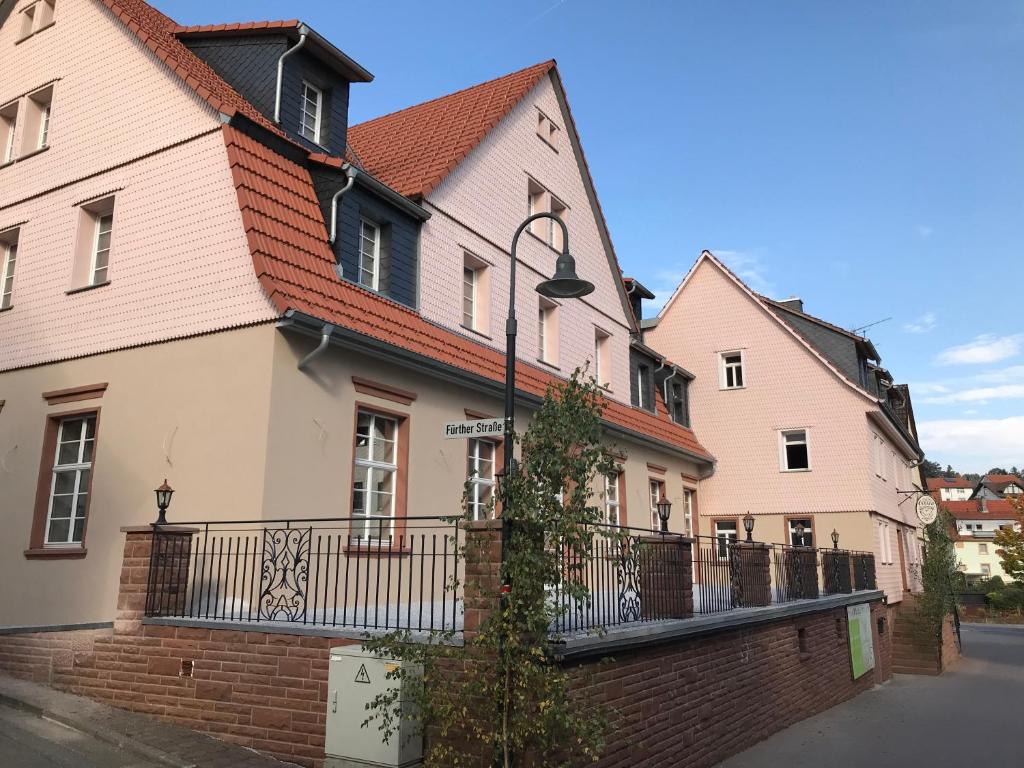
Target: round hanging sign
927,509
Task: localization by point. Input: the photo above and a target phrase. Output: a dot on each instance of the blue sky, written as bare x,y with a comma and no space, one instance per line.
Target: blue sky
865,156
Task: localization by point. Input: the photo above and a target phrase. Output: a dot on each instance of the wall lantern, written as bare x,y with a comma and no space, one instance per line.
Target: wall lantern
748,526
163,501
664,510
835,539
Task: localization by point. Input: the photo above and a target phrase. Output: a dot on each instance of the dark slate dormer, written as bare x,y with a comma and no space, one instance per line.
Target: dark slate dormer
396,219
247,58
673,385
643,364
636,293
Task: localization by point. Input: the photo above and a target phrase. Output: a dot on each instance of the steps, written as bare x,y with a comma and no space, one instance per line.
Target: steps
915,648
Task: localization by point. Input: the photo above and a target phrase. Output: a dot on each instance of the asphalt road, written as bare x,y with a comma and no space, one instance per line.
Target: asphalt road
29,741
970,716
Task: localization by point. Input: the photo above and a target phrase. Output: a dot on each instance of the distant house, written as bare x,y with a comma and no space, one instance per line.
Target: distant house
950,488
975,524
998,487
810,432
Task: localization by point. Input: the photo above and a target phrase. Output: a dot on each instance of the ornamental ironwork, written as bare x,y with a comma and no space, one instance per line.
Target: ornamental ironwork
284,574
629,580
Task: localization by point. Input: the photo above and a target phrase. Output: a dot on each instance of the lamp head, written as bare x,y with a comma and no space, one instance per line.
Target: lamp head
565,284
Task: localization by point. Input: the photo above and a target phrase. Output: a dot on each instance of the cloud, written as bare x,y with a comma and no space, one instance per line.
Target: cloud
929,388
987,348
979,395
923,324
749,267
924,230
974,444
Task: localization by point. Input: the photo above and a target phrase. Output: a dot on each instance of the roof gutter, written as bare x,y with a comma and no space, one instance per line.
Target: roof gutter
378,187
350,172
303,35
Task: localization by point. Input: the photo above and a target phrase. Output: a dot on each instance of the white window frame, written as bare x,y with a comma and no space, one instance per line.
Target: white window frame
303,113
688,510
364,468
44,125
612,498
78,492
375,272
643,393
723,536
98,219
481,486
7,273
655,490
469,284
784,435
724,369
791,525
12,128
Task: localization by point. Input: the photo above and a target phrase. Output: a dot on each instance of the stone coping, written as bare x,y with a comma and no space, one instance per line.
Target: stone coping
284,628
671,630
29,629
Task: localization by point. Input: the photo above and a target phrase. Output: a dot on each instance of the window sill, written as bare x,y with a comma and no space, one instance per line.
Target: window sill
7,308
552,366
552,146
791,471
476,332
55,553
33,153
730,389
9,163
35,32
82,288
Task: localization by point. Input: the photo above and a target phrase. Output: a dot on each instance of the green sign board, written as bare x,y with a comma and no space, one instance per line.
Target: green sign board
862,641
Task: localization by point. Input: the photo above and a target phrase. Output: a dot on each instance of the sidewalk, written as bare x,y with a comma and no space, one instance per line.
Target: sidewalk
155,742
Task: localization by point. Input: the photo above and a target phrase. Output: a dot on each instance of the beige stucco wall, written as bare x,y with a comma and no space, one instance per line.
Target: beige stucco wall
193,411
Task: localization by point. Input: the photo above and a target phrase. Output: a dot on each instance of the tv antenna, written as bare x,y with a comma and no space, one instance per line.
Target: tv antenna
870,325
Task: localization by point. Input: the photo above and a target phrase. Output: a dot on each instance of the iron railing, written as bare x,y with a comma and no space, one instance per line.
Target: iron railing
322,572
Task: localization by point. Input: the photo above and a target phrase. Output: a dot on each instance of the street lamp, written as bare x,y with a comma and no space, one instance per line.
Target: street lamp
163,501
565,284
835,539
748,526
664,510
799,531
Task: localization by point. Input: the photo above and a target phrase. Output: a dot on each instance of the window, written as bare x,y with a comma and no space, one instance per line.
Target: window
554,230
312,107
101,249
885,544
375,476
8,255
602,357
547,331
36,132
476,294
546,129
540,200
469,297
656,489
611,498
679,402
480,475
70,482
731,370
369,254
688,511
982,549
986,569
28,22
643,387
795,455
35,18
725,533
801,532
8,125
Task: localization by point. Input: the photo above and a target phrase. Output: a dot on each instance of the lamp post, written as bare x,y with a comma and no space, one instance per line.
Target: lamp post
664,510
565,284
748,526
163,501
835,539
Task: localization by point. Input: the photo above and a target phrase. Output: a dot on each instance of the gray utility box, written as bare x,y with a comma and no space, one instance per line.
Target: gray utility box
354,679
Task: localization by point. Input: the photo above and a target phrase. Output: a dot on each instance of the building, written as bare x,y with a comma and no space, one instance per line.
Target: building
998,487
810,433
976,522
220,282
950,488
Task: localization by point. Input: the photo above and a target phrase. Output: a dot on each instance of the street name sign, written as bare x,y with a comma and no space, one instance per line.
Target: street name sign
456,430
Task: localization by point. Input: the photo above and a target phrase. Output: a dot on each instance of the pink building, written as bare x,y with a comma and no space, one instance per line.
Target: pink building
809,432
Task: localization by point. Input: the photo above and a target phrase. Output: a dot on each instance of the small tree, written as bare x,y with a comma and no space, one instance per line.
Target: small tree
1010,543
939,573
501,697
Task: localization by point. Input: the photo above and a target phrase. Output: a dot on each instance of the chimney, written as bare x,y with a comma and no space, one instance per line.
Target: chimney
984,504
793,303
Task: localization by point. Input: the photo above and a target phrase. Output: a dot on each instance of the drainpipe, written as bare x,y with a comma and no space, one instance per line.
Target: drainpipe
664,388
325,339
351,173
303,31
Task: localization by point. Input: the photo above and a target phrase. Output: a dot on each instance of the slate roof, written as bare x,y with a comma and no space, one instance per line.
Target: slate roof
413,150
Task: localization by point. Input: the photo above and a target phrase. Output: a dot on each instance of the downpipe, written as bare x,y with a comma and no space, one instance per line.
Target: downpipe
351,173
280,71
325,339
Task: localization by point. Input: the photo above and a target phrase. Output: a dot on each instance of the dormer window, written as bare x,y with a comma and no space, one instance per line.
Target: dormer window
312,112
369,254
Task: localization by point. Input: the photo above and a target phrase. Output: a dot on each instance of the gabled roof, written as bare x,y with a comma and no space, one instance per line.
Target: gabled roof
413,150
1003,480
936,483
296,267
998,509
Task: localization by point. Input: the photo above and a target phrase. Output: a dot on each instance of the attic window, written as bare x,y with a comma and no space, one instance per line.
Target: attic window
547,130
36,18
312,109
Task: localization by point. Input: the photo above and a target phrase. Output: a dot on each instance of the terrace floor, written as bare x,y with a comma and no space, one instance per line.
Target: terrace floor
968,716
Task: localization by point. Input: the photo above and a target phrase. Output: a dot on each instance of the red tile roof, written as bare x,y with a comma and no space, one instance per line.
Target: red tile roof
414,149
295,265
971,510
157,32
1002,479
238,26
936,483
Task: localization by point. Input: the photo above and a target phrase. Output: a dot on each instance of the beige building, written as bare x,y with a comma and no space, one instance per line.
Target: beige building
216,297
